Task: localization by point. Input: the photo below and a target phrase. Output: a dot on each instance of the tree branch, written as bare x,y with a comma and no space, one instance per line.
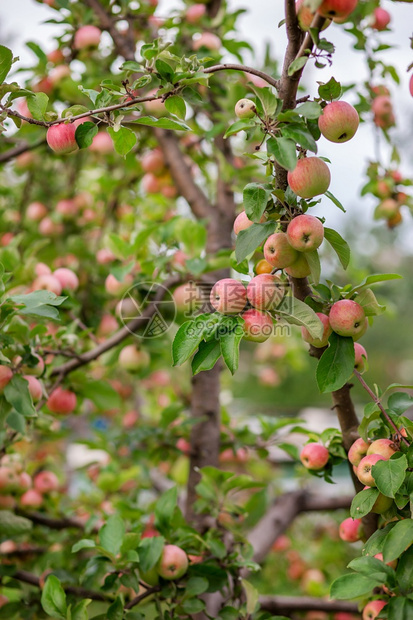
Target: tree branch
135,601
287,604
33,580
233,67
19,149
53,523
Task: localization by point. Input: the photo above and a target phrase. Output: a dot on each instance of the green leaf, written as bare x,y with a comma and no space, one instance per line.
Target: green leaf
39,303
249,239
376,541
85,543
165,70
111,534
54,598
6,59
229,343
193,606
163,123
301,135
335,200
339,245
297,312
389,475
363,502
251,594
79,611
165,507
352,586
150,550
85,133
369,303
37,105
284,152
189,336
398,540
399,402
336,365
176,105
16,421
241,125
313,260
404,571
101,393
373,568
399,608
309,109
380,277
115,611
255,198
18,396
297,64
11,525
330,90
196,586
206,357
124,140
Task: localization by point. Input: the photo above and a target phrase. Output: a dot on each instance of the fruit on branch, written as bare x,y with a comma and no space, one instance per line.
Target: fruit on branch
311,177
337,8
314,456
6,375
46,482
173,563
61,138
360,357
242,222
208,40
393,563
105,256
153,162
245,108
25,481
47,282
48,227
351,530
305,16
364,468
299,269
385,447
382,503
133,359
357,451
382,109
258,325
86,36
9,479
102,143
67,208
188,297
318,343
411,85
150,577
263,266
150,183
372,609
381,19
347,318
67,278
305,233
386,209
228,296
31,499
394,221
35,369
339,121
265,292
55,56
35,388
114,287
58,74
278,252
195,13
36,211
61,401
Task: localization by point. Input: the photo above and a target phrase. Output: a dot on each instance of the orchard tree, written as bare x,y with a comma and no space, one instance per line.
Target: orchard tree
156,213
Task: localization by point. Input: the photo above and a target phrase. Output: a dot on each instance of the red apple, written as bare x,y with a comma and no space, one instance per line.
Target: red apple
31,499
35,388
351,530
357,451
61,138
151,183
62,401
105,256
153,162
47,283
133,359
300,268
209,40
86,36
372,609
173,563
25,481
386,209
393,563
6,375
130,419
67,278
318,343
45,482
364,469
310,177
67,208
314,456
114,287
228,296
242,222
337,8
339,121
381,19
265,292
305,233
385,447
347,318
258,325
305,16
195,13
278,252
36,211
360,357
411,85
102,143
9,479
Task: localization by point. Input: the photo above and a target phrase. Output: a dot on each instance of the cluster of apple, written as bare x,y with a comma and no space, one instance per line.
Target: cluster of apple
61,138
18,487
62,279
391,197
156,178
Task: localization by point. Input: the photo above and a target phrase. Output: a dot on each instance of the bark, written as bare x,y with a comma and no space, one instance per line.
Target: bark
288,604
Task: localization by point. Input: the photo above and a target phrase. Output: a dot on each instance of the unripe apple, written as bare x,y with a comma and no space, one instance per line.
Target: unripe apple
102,143
364,469
263,266
360,357
61,401
305,16
382,503
381,19
173,563
318,343
245,108
228,296
86,36
151,576
36,211
310,177
6,375
9,479
394,221
67,278
209,40
47,283
372,609
114,287
36,369
278,252
195,13
153,162
133,359
31,499
265,292
339,121
347,318
25,481
357,451
337,8
45,482
351,530
314,456
305,233
108,324
35,388
258,325
61,138
387,209
385,447
299,269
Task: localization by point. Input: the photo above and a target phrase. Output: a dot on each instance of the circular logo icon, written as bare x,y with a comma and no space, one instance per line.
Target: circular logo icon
147,310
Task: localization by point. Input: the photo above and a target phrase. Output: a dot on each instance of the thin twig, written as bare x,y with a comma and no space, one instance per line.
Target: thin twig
233,67
135,601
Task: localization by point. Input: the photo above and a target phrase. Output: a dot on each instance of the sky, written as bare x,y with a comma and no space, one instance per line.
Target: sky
259,25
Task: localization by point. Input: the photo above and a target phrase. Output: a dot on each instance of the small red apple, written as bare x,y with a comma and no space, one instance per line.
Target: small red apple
61,138
311,177
351,530
347,318
372,609
305,233
62,401
314,456
173,563
258,325
228,296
